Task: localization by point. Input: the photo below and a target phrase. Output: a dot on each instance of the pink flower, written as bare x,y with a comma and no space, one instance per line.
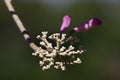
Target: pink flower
65,23
94,22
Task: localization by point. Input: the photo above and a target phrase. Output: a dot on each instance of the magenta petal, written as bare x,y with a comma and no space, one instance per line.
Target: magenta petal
65,23
94,22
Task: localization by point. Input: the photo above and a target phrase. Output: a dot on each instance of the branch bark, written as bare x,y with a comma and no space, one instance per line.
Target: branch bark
20,24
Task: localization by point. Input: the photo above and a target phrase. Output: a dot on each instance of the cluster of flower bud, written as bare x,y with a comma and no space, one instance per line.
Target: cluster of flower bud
56,55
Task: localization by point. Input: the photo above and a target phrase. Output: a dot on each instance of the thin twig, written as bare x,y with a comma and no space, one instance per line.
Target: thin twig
20,24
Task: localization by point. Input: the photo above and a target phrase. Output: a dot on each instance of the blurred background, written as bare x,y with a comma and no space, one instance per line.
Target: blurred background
100,62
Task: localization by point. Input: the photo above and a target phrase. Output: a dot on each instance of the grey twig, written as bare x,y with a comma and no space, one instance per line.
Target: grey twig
20,24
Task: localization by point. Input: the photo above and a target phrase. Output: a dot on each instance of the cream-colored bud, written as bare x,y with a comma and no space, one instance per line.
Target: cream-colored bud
51,51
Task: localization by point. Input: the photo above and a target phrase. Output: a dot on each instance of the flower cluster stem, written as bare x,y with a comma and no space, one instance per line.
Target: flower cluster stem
20,24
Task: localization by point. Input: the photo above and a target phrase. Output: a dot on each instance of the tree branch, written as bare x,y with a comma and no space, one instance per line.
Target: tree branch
20,24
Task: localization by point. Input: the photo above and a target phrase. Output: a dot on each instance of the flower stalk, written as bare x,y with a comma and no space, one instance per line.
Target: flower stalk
20,25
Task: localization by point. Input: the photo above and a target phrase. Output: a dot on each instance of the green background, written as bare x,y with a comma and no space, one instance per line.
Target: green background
100,62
